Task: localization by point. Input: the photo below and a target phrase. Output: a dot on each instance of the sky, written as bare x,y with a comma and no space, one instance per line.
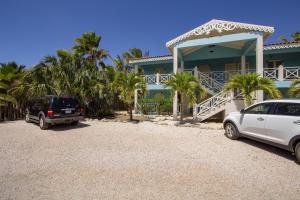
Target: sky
32,29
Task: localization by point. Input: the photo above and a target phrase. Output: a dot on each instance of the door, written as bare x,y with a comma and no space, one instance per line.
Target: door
254,118
284,123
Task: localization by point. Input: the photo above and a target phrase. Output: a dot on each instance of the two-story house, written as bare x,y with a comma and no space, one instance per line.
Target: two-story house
215,51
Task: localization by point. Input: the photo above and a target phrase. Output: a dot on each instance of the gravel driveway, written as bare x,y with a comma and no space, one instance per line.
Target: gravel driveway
111,160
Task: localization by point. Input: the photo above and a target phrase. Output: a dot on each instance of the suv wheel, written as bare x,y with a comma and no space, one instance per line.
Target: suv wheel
42,123
231,131
75,123
297,152
27,119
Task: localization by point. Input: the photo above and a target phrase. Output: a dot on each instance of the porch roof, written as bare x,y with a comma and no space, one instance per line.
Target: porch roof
267,47
219,27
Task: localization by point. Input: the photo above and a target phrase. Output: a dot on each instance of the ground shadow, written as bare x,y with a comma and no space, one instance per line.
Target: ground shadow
65,127
266,147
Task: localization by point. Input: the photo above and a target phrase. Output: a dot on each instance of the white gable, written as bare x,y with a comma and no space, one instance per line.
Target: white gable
220,27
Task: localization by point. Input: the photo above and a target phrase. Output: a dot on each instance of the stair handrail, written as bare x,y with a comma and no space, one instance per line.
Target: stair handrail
210,83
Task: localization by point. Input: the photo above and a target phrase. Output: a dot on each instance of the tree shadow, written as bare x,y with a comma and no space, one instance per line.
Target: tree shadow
266,147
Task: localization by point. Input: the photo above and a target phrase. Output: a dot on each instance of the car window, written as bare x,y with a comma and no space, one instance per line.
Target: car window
63,102
292,109
260,109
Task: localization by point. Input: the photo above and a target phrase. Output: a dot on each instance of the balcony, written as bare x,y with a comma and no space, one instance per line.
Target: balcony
282,73
157,79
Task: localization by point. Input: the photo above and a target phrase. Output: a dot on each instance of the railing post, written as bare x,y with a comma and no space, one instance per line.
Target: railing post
280,73
195,112
157,79
196,72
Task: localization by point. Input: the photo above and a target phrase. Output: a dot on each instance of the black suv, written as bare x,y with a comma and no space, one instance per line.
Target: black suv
52,109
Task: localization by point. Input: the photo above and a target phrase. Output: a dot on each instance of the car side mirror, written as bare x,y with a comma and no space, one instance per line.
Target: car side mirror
242,111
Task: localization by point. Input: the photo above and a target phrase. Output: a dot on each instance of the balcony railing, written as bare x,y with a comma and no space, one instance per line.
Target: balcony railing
282,73
157,78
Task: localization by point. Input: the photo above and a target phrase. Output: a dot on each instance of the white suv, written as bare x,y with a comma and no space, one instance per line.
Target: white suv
275,122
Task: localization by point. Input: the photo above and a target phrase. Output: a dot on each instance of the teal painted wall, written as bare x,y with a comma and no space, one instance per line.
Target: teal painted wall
166,68
214,64
214,52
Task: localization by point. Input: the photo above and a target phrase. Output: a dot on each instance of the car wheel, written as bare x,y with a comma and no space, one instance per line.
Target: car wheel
297,152
75,123
42,123
27,119
231,131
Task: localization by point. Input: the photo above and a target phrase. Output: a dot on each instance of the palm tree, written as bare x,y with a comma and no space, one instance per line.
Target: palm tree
295,36
88,46
126,84
249,83
119,63
134,53
10,75
294,90
186,85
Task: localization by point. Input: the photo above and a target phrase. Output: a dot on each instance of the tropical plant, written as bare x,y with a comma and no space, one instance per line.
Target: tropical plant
248,84
87,46
119,63
295,37
294,90
134,53
10,74
186,85
126,84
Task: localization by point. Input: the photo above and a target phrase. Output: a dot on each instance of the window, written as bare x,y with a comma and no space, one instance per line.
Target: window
260,109
292,109
273,63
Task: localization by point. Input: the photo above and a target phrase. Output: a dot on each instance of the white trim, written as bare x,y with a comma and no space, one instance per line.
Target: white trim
282,46
219,26
151,59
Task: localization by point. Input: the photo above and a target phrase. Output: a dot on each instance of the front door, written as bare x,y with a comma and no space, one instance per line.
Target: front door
253,120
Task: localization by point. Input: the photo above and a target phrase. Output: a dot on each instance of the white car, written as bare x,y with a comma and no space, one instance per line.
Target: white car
275,122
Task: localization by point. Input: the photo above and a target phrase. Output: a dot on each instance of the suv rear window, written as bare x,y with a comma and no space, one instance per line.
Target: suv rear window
64,102
292,109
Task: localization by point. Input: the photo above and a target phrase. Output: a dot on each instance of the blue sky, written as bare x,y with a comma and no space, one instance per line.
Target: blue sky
32,29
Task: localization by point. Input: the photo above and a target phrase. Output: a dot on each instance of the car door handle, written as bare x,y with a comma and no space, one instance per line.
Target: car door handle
260,119
297,122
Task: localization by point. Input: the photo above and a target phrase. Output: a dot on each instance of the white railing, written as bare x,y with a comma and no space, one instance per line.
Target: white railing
271,73
282,73
150,79
290,73
210,83
157,78
224,76
206,106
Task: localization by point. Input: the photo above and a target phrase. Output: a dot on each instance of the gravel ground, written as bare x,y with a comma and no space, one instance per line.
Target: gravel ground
113,160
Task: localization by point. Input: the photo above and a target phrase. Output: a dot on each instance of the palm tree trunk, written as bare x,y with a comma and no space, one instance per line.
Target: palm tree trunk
130,112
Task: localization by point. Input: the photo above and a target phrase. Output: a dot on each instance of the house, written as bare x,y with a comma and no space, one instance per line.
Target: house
214,52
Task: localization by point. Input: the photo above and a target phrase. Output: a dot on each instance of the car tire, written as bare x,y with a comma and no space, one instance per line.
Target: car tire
75,123
231,131
42,123
27,119
297,152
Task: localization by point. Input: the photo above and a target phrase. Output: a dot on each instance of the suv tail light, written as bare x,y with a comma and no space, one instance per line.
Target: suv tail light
81,110
50,113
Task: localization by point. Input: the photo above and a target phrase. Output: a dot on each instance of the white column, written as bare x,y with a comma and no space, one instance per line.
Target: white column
136,93
243,64
157,79
175,69
280,73
181,65
196,72
259,63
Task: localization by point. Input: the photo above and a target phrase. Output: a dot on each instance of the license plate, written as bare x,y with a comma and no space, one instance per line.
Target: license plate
68,111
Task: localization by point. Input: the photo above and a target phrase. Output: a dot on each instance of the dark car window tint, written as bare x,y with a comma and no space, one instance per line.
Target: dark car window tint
260,109
64,102
291,109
